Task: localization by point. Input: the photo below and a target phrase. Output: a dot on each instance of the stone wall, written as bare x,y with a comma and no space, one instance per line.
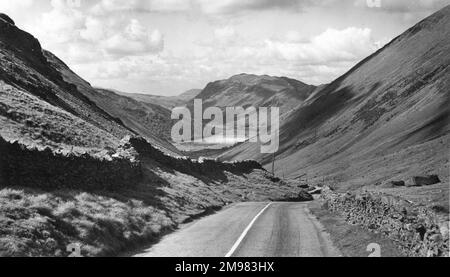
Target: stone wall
143,149
24,167
46,169
417,231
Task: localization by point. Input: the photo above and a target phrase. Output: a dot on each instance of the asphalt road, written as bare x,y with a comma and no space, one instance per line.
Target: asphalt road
249,230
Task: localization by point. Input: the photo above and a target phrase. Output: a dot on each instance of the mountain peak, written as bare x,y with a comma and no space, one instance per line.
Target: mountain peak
7,19
250,78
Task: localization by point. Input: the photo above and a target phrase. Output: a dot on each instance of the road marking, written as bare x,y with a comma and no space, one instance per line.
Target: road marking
241,238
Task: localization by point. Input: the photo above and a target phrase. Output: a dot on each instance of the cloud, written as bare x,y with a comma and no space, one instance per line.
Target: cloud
107,6
13,6
403,6
350,44
225,35
237,6
134,39
79,36
315,60
16,9
208,7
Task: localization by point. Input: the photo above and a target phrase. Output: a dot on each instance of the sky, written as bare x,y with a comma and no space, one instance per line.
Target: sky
166,47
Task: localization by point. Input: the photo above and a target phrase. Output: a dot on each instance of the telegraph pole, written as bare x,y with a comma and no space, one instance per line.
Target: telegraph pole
273,164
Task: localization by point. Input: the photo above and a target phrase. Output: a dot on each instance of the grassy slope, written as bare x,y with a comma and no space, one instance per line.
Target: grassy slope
146,119
42,223
36,123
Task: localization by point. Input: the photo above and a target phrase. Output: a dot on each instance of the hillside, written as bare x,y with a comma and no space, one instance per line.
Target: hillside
148,119
385,119
37,75
168,102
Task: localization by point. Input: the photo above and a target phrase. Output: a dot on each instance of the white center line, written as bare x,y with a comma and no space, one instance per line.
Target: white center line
241,238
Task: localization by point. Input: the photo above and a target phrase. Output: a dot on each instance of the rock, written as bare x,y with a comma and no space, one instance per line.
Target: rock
419,181
416,230
6,18
444,229
392,184
315,191
304,186
305,196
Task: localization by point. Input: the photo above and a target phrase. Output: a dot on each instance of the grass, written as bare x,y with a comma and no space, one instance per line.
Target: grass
351,240
35,222
34,122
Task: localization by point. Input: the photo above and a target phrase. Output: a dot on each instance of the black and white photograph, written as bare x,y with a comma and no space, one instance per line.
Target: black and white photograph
245,132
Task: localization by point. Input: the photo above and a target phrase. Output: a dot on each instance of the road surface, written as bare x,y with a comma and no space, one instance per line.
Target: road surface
249,230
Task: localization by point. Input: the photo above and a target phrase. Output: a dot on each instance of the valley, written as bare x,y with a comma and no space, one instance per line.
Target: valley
99,168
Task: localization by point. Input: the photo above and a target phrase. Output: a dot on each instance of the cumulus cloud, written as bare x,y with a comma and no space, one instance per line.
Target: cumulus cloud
332,45
134,39
80,36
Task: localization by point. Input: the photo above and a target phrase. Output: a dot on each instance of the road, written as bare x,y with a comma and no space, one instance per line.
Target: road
249,230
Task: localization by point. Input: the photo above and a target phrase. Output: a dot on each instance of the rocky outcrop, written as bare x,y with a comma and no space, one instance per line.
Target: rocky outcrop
418,181
416,230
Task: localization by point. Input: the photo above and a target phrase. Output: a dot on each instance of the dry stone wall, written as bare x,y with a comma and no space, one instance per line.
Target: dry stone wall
24,167
46,169
417,231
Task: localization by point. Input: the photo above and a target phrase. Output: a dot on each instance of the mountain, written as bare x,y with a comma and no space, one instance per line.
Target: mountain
32,77
246,90
148,119
168,102
387,118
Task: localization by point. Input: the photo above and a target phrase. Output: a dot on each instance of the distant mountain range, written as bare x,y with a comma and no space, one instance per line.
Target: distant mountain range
168,102
387,118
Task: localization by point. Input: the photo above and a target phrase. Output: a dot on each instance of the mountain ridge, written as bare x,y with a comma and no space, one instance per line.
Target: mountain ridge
255,90
168,102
